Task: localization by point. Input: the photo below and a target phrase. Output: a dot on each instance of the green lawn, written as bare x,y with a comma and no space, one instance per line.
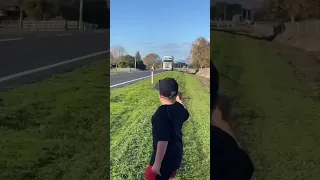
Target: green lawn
278,122
131,109
57,129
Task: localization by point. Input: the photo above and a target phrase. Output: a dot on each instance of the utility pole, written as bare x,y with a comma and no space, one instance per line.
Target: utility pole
81,15
252,15
135,61
247,14
241,13
225,11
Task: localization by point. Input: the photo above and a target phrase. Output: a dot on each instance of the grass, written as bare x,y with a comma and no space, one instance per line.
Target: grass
57,129
274,114
131,109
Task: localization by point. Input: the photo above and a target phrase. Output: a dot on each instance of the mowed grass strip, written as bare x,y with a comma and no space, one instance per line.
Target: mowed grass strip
57,129
131,108
277,120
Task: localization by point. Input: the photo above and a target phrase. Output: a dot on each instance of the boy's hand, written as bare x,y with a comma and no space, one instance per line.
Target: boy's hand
179,98
156,169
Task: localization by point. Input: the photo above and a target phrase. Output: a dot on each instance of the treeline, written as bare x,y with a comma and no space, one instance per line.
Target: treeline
226,11
269,10
199,57
120,59
94,11
288,10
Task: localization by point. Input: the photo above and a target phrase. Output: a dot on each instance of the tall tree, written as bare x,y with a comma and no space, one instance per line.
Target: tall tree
150,59
200,53
138,56
118,53
112,61
21,5
129,61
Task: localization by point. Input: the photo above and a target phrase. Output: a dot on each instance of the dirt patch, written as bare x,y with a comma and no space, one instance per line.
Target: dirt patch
306,64
204,81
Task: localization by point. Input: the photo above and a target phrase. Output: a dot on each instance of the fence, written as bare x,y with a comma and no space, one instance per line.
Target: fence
256,29
303,28
230,26
122,69
60,25
302,35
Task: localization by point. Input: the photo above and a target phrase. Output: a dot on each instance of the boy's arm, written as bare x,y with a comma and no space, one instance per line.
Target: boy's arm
179,98
161,151
161,133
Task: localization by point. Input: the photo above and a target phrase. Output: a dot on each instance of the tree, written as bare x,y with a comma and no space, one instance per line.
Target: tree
138,56
290,10
158,64
140,65
118,53
200,53
129,61
112,61
21,5
42,9
150,59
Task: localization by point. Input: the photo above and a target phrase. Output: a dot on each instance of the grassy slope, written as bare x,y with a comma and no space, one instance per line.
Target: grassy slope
57,129
131,110
278,123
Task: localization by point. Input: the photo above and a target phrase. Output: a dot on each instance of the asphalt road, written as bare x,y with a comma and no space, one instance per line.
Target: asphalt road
120,79
22,54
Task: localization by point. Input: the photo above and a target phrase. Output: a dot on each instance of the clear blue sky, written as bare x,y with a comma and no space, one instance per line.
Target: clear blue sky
164,27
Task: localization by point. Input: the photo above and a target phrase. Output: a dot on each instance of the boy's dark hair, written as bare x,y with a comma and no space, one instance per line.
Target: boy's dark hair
168,88
172,97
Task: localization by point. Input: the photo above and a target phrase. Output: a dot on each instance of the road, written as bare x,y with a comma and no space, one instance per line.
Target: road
28,57
120,79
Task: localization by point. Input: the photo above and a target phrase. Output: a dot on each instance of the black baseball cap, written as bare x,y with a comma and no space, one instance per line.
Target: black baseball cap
167,87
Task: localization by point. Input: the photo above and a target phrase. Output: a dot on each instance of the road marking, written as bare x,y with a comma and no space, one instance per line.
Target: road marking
68,34
115,85
12,39
99,31
13,76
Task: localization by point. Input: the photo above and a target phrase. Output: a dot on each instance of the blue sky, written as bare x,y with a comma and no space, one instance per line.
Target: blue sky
166,27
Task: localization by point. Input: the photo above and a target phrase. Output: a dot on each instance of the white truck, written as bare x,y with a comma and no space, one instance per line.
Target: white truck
168,63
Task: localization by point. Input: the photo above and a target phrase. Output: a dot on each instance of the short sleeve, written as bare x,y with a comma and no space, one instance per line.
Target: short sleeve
161,128
228,161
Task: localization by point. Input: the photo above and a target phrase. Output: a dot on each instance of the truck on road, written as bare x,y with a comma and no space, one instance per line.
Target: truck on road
168,63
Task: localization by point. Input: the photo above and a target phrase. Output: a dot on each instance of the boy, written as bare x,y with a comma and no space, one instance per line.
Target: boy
167,124
228,160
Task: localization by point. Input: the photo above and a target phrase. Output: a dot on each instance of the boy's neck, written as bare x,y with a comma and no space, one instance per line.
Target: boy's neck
167,102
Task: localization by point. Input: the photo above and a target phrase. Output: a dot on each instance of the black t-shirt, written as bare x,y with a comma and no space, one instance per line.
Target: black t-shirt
167,124
228,161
